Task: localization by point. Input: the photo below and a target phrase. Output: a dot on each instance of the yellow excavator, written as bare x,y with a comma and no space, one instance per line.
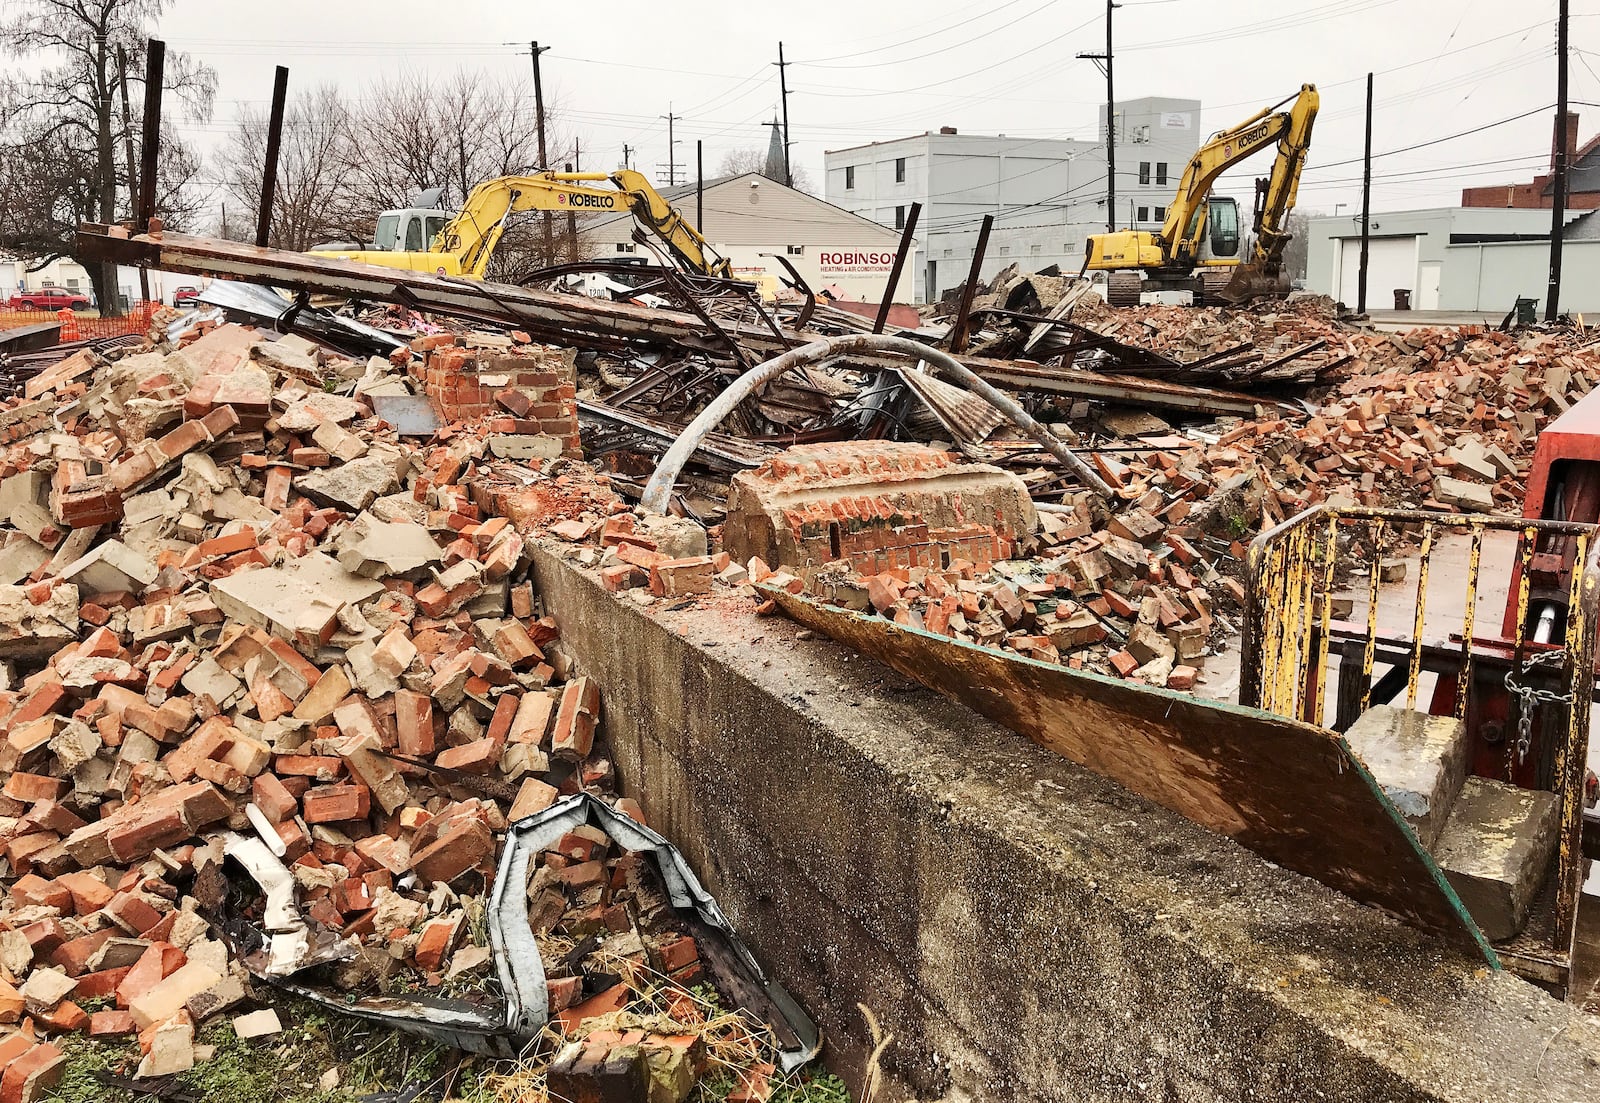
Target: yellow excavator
1200,239
426,239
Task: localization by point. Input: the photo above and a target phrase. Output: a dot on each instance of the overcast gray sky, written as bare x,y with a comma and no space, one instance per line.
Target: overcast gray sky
893,67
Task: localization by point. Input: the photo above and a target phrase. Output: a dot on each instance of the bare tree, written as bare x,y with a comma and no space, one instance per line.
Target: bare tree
739,161
1296,252
313,202
64,118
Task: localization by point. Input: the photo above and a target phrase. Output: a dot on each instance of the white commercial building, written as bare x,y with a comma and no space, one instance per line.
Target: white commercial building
1455,258
750,219
1047,194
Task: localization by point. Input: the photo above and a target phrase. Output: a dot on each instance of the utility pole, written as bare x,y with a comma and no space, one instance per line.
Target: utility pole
627,154
1558,205
1104,61
783,87
699,186
534,50
572,217
1366,207
672,147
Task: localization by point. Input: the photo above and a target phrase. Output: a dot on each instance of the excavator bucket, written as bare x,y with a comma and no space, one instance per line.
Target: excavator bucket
1251,280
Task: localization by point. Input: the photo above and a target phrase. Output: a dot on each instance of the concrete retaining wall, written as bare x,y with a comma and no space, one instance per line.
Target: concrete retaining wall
1024,928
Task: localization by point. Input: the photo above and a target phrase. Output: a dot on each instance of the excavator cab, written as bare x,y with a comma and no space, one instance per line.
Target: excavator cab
409,229
1221,241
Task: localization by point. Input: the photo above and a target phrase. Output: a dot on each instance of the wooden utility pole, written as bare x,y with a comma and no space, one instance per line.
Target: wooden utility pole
672,147
699,186
1366,207
534,50
783,88
1558,203
627,156
1104,60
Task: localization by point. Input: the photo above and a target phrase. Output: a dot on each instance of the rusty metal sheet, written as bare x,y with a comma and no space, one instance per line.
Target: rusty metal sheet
1291,792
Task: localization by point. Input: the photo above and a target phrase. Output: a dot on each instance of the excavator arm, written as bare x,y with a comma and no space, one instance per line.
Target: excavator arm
465,244
472,234
1183,229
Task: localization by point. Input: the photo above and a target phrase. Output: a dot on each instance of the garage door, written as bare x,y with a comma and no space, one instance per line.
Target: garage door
1391,263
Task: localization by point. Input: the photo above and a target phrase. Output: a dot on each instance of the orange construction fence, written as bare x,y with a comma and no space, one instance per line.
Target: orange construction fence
83,325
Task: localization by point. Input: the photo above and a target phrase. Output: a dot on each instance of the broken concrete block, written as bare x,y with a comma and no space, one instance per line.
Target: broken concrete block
111,567
257,1024
1496,849
378,549
1471,497
1420,761
352,486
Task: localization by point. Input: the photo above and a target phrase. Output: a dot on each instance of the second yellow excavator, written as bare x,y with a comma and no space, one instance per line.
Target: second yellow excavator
1201,232
426,239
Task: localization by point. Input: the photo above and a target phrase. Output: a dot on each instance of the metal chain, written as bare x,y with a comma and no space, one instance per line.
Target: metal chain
1531,696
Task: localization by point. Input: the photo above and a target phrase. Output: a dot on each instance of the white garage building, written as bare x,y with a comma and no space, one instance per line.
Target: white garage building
748,218
1452,258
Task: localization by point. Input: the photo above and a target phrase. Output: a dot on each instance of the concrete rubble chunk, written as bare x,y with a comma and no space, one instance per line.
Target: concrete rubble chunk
1419,760
111,567
1497,849
353,486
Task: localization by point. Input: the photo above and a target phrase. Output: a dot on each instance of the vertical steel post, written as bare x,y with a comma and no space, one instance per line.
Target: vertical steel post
958,331
269,174
133,163
155,66
899,263
699,187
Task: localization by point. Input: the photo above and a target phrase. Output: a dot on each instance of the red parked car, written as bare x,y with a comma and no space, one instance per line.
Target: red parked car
49,298
186,296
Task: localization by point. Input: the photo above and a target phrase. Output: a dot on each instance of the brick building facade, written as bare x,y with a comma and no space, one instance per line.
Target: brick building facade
1583,179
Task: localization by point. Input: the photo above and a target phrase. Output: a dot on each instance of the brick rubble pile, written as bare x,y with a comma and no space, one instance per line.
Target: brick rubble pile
227,598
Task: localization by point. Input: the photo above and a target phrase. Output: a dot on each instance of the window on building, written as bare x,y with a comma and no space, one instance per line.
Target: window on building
797,250
949,252
1035,249
1144,172
899,170
1161,172
1161,214
899,218
1144,214
849,177
624,247
1005,250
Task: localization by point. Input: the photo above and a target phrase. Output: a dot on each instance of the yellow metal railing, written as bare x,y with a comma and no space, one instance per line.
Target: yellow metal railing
1297,572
